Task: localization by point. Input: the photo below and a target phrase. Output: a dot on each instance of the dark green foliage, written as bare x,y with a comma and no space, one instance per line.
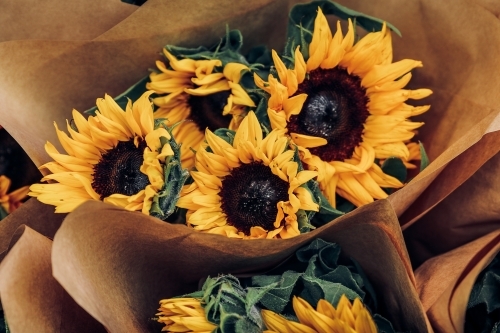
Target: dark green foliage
424,160
483,309
394,167
175,176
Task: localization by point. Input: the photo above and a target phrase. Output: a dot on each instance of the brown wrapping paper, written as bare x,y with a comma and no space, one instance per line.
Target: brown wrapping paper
56,20
470,212
460,136
34,214
445,282
61,75
32,299
117,265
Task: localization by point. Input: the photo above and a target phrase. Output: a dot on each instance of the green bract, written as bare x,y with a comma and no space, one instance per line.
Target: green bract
175,176
228,306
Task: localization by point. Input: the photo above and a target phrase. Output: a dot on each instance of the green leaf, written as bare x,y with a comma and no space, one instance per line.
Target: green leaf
310,251
424,159
261,110
3,213
303,219
234,323
133,93
226,134
370,301
316,289
383,325
164,202
3,323
301,24
277,298
322,260
394,167
227,305
227,50
344,205
483,308
326,212
260,55
345,277
255,294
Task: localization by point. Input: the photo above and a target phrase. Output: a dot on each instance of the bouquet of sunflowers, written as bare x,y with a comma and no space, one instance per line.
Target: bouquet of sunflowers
266,159
226,181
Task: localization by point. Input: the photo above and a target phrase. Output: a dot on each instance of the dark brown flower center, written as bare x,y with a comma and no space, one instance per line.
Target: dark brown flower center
335,110
118,170
206,111
249,197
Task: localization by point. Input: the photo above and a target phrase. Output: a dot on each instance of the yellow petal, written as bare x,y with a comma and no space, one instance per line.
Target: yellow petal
318,48
233,71
307,141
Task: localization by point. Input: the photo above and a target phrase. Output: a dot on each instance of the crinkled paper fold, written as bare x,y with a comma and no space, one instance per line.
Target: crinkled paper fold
116,265
445,282
142,260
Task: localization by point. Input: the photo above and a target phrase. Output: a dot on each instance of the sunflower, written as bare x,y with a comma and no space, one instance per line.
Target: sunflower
203,92
184,315
9,202
345,108
115,156
346,318
248,189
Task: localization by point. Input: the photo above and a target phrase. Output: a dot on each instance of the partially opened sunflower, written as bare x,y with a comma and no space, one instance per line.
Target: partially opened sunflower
250,188
200,94
184,315
346,318
345,108
115,156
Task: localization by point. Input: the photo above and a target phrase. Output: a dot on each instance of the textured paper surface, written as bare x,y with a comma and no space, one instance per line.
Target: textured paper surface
32,299
60,20
445,282
61,75
41,81
142,260
33,214
470,212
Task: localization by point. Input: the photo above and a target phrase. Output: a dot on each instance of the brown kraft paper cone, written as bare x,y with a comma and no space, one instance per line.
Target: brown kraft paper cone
62,75
33,301
60,20
117,265
445,282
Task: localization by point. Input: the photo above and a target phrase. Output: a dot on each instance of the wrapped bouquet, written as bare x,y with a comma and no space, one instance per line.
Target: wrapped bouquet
219,180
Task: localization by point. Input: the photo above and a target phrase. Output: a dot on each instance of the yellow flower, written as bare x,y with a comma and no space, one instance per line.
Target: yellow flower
184,315
11,201
344,108
346,318
196,92
248,189
115,156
